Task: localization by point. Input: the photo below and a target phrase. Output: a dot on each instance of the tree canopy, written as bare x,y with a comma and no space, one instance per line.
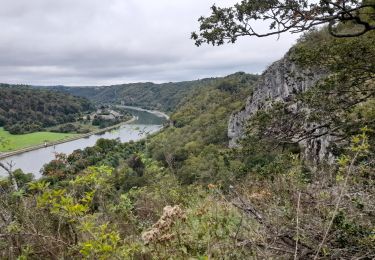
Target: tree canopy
25,110
295,16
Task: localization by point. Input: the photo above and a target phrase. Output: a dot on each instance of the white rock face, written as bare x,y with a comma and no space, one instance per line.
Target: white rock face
279,82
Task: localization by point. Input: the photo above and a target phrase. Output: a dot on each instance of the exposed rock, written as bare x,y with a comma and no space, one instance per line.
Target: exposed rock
280,82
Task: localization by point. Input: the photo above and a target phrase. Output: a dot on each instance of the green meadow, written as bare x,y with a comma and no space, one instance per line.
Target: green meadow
11,142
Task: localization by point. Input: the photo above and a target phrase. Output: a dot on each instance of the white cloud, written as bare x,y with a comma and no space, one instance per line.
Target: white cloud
96,42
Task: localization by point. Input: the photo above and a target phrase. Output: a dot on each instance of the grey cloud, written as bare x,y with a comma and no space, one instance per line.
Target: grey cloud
96,42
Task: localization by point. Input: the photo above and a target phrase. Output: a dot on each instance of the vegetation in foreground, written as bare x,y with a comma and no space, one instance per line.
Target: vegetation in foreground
183,195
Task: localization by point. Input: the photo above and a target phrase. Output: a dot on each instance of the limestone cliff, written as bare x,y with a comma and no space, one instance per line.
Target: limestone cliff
280,82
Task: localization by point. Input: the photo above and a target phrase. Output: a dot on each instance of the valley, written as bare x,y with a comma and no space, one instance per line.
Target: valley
143,124
279,165
32,118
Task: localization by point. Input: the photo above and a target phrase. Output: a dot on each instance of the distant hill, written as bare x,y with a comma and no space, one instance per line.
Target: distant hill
24,109
165,96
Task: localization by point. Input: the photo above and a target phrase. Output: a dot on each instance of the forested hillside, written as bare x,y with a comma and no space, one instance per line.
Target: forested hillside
164,97
24,109
192,151
199,127
183,193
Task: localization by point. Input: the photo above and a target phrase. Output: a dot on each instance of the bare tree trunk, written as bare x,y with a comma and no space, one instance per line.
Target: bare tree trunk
8,169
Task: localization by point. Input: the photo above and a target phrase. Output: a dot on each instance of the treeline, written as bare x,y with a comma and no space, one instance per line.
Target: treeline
199,128
182,193
128,185
24,109
164,97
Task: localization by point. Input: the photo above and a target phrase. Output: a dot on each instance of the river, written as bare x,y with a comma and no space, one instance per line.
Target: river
147,122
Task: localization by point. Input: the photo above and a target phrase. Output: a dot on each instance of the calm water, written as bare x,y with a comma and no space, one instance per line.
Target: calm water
33,161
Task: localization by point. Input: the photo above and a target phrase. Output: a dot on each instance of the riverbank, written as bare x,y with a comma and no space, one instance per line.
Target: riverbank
155,112
76,137
12,142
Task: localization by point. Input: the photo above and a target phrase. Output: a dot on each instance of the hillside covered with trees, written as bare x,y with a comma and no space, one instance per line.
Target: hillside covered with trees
164,97
183,193
25,110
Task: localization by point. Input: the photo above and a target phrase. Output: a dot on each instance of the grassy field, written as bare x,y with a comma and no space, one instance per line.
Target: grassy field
15,142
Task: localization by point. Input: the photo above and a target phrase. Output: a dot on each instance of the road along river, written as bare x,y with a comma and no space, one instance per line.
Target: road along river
146,122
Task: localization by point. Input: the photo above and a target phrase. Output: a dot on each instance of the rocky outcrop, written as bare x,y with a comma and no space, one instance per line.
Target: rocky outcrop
280,82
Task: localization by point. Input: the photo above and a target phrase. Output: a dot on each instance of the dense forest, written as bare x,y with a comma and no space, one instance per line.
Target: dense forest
200,121
24,109
164,97
183,193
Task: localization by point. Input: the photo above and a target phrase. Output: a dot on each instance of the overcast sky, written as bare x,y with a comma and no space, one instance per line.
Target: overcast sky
103,42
